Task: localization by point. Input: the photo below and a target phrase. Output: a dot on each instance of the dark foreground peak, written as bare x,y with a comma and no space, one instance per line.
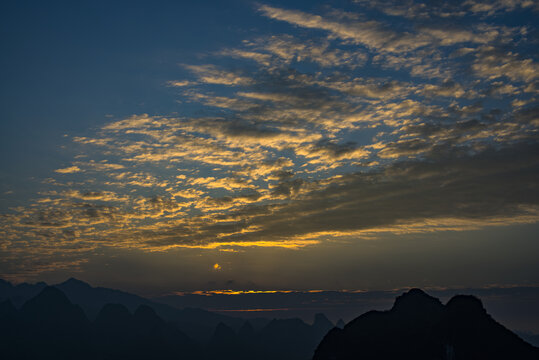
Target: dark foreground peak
416,300
420,327
466,304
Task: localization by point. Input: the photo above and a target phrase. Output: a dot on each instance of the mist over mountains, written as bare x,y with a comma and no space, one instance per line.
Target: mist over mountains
75,320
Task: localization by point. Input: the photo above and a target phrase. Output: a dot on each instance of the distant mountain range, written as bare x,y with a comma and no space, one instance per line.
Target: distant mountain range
49,326
420,327
198,323
74,320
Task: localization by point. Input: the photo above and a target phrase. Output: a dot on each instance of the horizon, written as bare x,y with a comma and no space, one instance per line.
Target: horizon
249,150
74,318
513,307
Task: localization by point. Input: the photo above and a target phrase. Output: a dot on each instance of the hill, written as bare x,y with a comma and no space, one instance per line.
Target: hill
419,326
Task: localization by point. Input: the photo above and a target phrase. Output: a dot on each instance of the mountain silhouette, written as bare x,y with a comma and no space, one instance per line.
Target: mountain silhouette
146,318
114,320
224,343
419,326
529,337
51,311
142,335
19,294
9,329
321,325
198,324
287,339
92,299
223,336
246,332
53,325
50,326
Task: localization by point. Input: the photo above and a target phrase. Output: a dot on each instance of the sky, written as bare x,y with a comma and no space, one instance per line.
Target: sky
172,146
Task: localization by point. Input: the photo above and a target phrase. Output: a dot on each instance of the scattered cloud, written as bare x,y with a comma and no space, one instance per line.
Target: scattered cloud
68,170
347,127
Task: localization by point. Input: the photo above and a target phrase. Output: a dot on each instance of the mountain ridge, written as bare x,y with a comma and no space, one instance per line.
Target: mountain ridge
424,325
419,326
50,326
197,323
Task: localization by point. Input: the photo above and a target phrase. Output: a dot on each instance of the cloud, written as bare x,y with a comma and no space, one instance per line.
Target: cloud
459,188
68,170
492,63
180,83
409,9
446,89
229,183
93,195
456,192
348,127
439,9
327,151
285,49
264,59
491,7
370,33
378,36
210,74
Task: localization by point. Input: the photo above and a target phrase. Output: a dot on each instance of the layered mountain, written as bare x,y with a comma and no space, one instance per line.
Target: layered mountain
76,320
50,326
285,339
20,293
53,325
419,326
197,323
46,324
